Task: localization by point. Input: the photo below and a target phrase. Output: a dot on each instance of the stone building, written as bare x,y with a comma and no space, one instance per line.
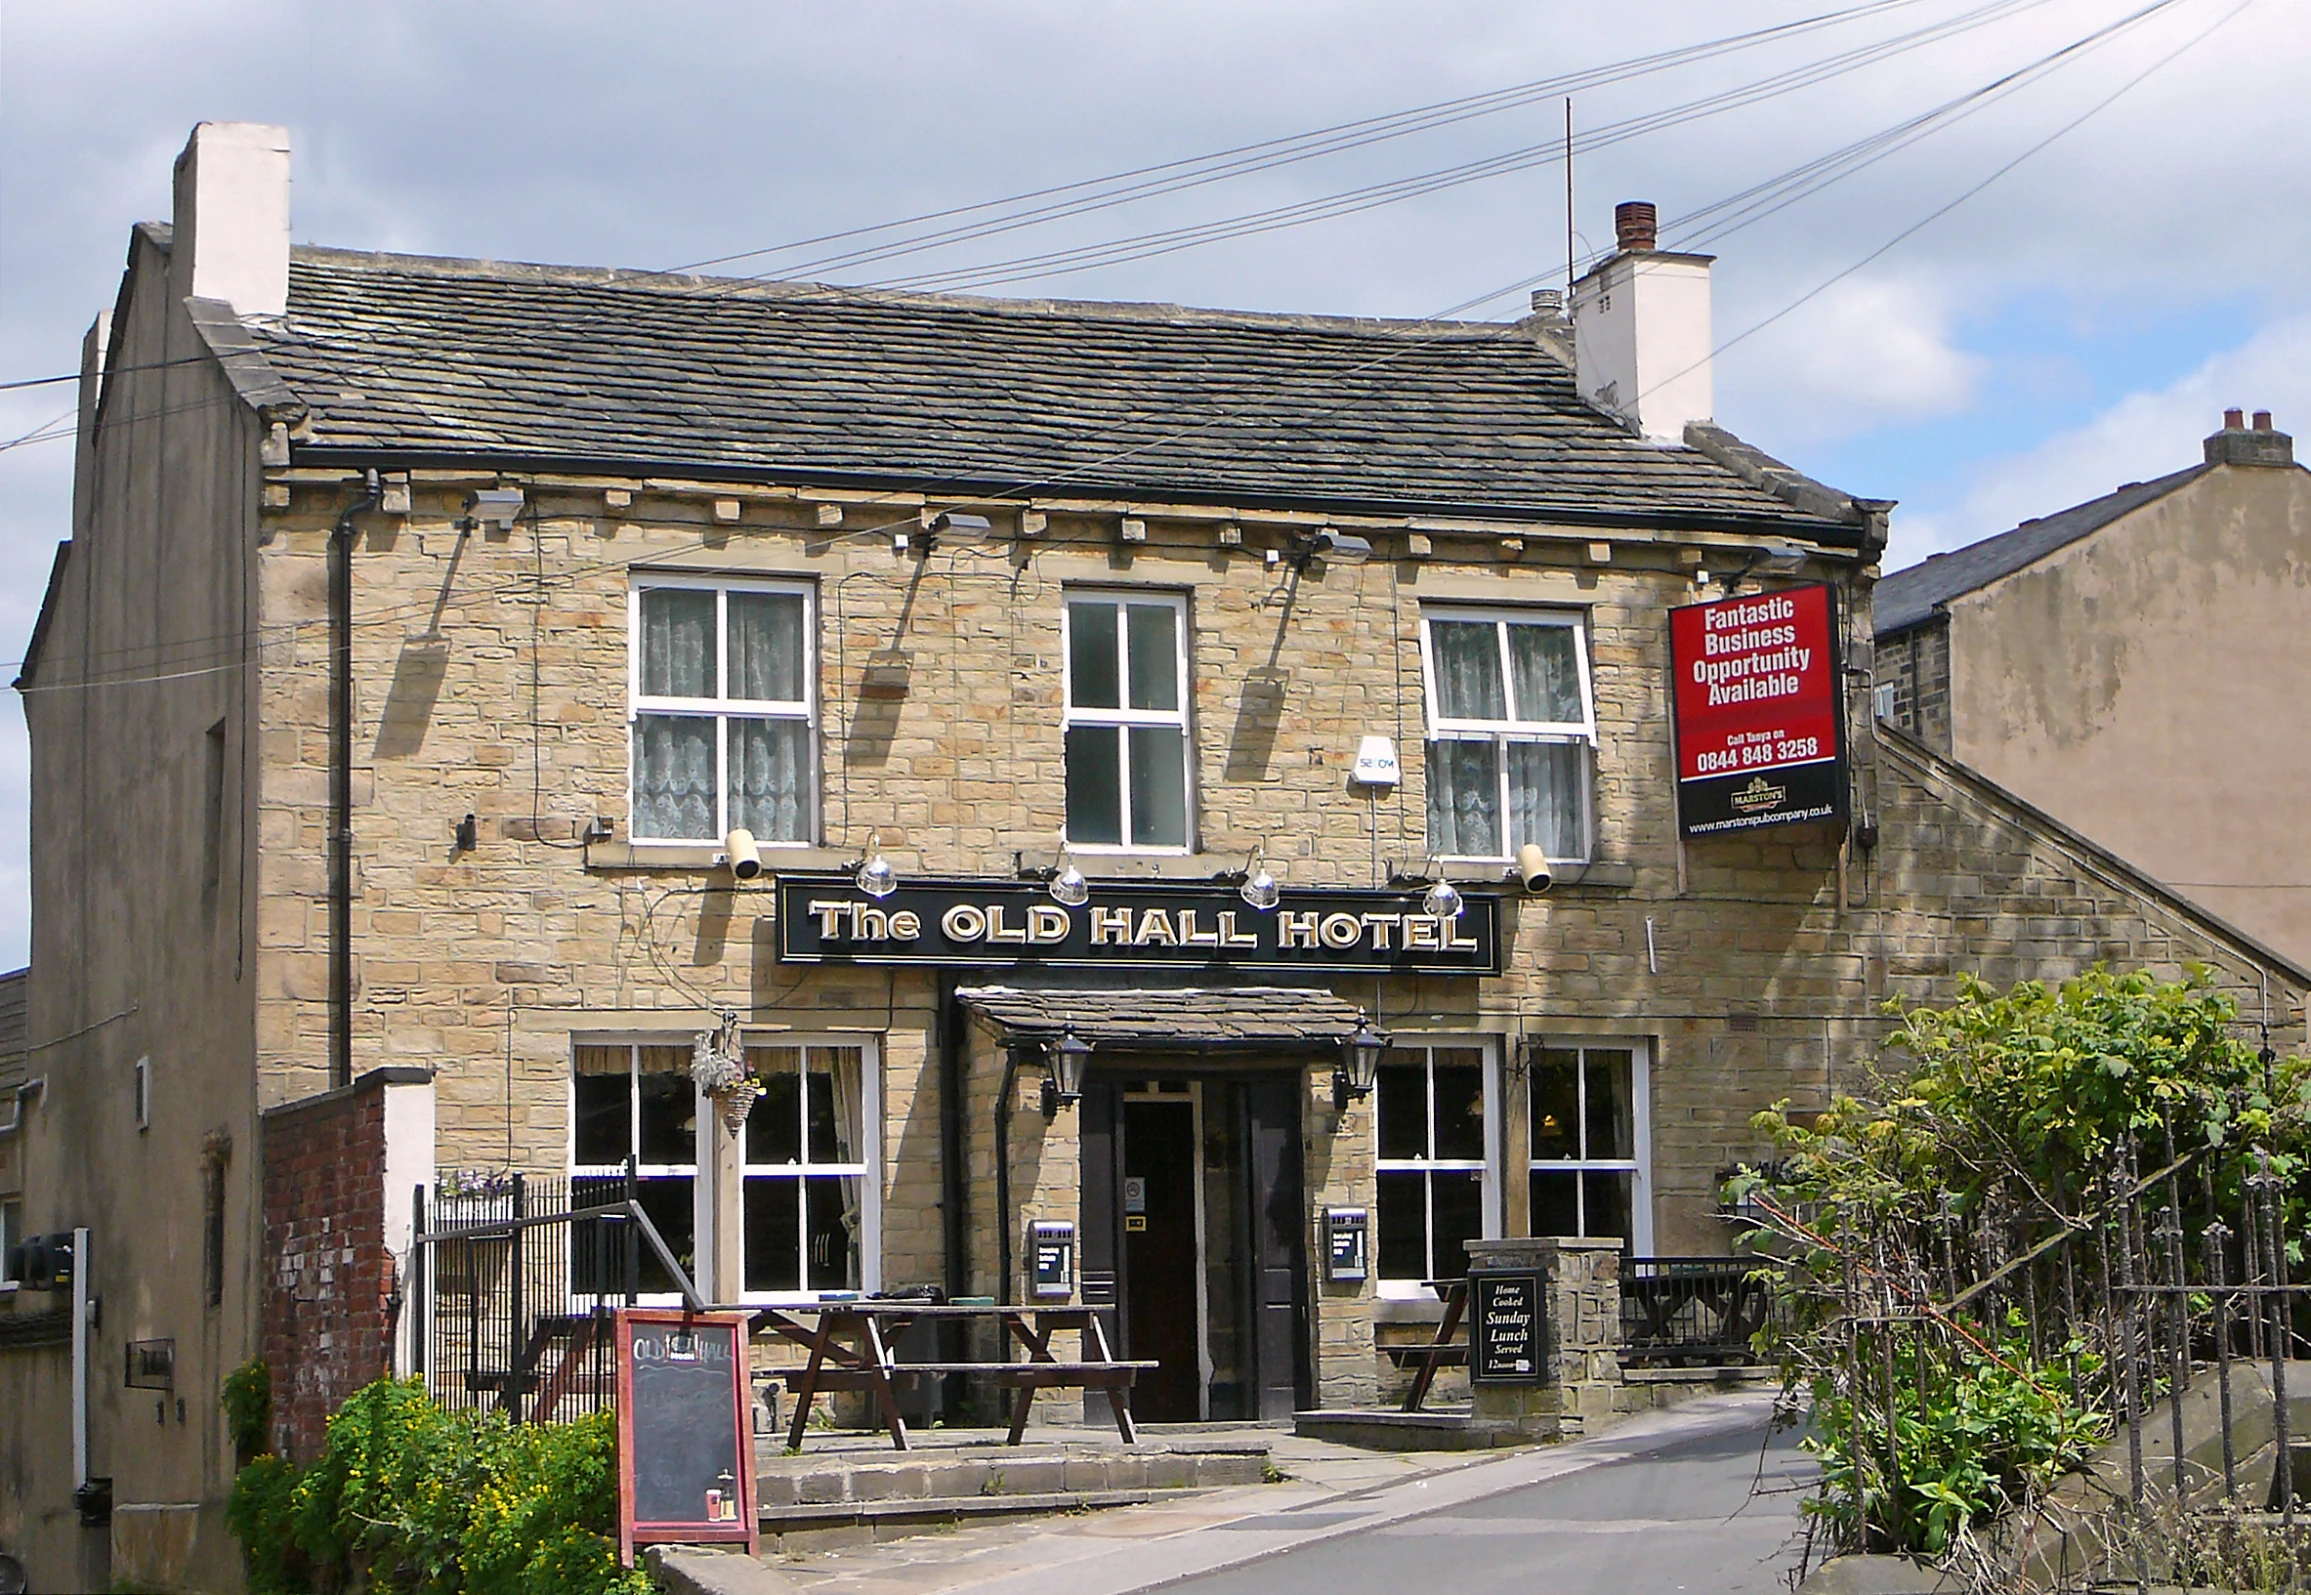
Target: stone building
1117,677
2133,664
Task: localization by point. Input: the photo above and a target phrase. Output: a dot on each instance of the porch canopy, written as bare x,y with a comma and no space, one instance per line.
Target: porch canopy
1183,1017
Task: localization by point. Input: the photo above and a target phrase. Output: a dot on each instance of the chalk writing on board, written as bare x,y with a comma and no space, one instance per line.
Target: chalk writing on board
684,1427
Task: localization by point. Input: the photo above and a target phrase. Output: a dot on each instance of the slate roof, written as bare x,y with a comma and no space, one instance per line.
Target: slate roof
528,366
1912,595
1192,1016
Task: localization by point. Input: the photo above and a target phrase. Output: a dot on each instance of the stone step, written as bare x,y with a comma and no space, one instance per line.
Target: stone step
834,1525
981,1471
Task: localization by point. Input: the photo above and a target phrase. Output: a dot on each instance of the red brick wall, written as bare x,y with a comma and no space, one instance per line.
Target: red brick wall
328,1327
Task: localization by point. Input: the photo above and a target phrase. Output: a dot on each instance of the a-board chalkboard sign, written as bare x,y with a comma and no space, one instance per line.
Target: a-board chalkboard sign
1506,1329
685,1430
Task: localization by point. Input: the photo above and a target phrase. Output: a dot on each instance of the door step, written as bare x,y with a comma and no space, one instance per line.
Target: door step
831,1526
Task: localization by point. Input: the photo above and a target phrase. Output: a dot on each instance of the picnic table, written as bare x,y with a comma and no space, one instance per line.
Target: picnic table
852,1346
1442,1351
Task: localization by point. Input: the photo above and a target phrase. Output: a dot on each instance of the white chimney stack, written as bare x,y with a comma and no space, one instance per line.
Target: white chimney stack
232,216
1641,331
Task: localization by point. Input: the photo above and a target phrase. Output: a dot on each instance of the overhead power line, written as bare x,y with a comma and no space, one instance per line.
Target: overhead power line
1164,177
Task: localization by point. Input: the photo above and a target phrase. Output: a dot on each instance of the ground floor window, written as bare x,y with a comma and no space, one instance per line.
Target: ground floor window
635,1114
1588,1104
1430,1162
803,1208
805,1185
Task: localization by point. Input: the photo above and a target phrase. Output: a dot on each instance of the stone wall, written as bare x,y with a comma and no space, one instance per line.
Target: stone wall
1916,664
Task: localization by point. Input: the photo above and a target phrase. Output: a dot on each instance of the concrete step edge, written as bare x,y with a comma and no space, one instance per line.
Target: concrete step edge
837,1513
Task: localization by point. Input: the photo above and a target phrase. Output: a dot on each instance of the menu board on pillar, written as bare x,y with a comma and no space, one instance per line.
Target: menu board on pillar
1760,735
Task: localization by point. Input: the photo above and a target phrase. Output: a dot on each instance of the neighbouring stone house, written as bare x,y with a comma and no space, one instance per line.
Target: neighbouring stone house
428,628
2134,664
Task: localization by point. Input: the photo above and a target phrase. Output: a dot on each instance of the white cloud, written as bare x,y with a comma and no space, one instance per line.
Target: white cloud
2143,435
1866,353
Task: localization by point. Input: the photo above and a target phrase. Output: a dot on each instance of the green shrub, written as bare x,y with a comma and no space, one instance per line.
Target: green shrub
248,1402
413,1500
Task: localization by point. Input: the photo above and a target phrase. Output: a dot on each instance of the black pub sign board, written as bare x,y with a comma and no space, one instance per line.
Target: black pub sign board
826,919
1506,1329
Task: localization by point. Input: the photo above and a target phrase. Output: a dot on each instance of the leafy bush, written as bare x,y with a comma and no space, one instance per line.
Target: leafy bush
408,1498
1921,1209
1975,1432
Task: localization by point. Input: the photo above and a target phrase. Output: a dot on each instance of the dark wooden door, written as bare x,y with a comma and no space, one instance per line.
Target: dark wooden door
1159,1257
1278,1249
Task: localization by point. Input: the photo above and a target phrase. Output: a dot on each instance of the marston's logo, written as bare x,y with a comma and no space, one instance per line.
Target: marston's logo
1759,796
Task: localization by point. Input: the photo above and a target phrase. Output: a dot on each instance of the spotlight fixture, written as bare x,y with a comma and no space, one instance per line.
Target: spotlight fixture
1332,545
875,877
1780,558
1067,1059
1067,886
1359,1066
923,541
1259,888
1442,900
494,506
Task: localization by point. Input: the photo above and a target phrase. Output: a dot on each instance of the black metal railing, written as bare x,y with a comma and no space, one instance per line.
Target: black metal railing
1693,1310
514,1285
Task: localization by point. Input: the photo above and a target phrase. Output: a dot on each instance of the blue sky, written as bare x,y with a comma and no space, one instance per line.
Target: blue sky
2080,322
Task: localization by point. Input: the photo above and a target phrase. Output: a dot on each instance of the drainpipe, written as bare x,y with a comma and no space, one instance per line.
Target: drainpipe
954,1175
1003,1170
81,1313
341,782
39,1084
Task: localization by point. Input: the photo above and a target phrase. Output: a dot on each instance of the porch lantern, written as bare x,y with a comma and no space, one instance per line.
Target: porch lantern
1359,1066
1066,1059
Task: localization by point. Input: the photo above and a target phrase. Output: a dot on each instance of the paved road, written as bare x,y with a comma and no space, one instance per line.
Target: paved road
1716,1512
1697,1499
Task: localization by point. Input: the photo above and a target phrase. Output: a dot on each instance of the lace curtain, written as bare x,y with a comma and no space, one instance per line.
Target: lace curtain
1544,798
678,757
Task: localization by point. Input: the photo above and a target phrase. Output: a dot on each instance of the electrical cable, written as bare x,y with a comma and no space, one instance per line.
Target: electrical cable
1149,245
1323,142
1012,495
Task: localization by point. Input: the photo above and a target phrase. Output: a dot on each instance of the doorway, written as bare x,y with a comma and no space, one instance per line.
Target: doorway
1192,1225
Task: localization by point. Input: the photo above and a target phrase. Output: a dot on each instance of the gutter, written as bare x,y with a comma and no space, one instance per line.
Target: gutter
1835,530
341,782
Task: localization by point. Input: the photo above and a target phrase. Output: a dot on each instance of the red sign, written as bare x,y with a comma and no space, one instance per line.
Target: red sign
1759,730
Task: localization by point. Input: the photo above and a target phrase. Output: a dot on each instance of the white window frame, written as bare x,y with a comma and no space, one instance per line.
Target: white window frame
695,1170
721,707
867,1172
1485,1168
1582,732
1640,1050
1180,719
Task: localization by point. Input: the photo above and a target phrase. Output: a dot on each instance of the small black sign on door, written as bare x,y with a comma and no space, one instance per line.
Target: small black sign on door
1347,1245
1506,1332
1051,1254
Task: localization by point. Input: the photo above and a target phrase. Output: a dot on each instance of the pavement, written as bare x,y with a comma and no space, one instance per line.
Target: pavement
1697,1498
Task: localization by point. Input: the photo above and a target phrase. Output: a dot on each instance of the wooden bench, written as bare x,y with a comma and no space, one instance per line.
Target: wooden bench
849,1344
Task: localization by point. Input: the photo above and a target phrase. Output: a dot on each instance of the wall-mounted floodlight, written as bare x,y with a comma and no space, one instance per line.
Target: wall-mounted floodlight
1334,546
874,876
1260,888
1068,887
1442,900
1781,558
494,506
